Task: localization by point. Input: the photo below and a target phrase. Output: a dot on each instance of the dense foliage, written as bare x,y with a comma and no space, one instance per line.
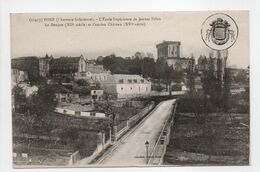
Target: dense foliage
140,65
33,111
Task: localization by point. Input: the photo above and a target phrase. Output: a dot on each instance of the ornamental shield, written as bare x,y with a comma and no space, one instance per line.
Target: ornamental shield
220,32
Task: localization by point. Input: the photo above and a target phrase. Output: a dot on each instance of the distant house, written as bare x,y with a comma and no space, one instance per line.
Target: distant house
126,86
92,67
94,72
179,87
96,94
64,66
63,95
28,90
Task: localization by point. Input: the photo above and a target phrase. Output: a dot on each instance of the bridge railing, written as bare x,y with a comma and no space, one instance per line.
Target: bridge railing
156,155
123,127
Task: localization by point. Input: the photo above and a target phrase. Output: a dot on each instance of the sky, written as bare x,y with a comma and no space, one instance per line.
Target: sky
30,36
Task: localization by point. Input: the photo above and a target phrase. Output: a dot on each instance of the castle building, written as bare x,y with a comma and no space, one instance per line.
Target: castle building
214,62
170,52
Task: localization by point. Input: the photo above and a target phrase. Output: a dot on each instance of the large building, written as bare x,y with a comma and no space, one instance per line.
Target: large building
94,72
126,86
36,67
67,66
170,52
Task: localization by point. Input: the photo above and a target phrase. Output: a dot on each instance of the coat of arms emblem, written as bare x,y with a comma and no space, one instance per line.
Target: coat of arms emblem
219,31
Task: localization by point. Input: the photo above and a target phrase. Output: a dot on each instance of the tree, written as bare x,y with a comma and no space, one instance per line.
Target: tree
38,108
194,103
35,117
219,82
191,79
226,94
19,99
210,82
241,77
148,66
150,55
82,82
161,65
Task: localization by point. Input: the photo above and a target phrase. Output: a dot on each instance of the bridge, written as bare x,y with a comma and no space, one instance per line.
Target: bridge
154,130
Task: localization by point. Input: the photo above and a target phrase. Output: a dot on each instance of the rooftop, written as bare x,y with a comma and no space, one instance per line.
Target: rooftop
169,42
126,79
65,60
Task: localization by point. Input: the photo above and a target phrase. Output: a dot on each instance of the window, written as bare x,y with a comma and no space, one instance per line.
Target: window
121,80
142,80
129,80
122,88
92,114
135,80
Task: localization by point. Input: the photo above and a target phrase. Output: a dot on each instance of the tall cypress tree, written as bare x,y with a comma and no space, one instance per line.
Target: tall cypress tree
226,94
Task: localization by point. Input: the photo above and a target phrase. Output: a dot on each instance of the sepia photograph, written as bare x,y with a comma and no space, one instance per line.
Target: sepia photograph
130,89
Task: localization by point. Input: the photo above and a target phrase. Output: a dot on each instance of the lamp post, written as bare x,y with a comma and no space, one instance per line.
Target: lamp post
147,146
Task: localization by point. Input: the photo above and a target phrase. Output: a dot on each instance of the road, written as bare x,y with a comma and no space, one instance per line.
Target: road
132,151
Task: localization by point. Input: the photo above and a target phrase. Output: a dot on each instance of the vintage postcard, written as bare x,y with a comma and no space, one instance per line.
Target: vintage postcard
130,89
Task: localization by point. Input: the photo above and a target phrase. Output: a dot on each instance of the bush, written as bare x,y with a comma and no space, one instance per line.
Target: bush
157,87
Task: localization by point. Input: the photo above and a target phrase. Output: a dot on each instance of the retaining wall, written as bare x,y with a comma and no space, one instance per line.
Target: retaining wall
79,113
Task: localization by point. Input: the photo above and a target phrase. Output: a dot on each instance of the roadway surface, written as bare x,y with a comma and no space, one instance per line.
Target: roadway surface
131,150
